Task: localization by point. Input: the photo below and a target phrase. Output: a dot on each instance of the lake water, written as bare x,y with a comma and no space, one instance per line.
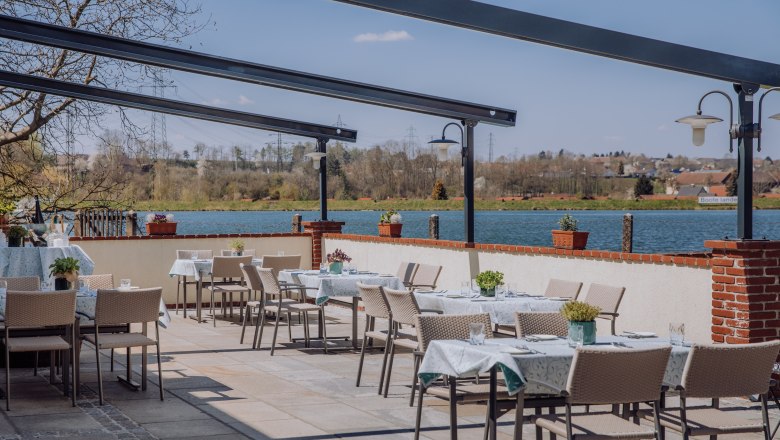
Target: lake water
654,231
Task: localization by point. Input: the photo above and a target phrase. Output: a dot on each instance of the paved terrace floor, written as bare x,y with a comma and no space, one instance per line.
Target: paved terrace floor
219,389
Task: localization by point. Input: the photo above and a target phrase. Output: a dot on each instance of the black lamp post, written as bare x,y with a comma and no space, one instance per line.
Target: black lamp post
467,161
318,162
745,131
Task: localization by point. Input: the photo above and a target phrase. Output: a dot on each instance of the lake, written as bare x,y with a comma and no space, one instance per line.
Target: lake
654,231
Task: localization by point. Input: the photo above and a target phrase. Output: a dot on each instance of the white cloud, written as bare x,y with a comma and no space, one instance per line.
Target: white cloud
243,100
388,36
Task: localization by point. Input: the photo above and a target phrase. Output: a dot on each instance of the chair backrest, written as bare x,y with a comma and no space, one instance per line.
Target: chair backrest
438,327
729,370
608,375
204,254
244,253
229,267
426,275
374,300
279,262
252,277
541,323
269,281
563,288
22,284
100,281
39,309
127,306
403,306
406,272
607,298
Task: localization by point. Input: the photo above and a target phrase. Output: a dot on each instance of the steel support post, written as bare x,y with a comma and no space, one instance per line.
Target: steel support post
468,181
745,159
322,147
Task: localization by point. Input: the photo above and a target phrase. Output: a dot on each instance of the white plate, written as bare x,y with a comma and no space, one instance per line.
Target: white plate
479,299
515,350
543,337
641,334
554,298
454,295
386,275
424,291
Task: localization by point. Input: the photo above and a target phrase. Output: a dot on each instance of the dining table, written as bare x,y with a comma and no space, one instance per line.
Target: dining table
530,366
325,286
35,261
502,311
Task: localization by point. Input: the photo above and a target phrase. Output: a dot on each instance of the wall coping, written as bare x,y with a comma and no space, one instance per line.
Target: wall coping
677,260
191,236
742,244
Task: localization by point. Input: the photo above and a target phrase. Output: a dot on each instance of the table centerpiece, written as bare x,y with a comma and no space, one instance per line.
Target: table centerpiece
336,261
582,315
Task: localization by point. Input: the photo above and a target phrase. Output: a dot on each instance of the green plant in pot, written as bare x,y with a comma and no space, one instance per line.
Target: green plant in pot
65,272
390,224
488,281
569,236
582,315
15,235
237,246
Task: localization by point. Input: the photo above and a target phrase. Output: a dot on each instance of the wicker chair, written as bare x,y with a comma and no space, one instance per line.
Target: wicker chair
181,282
280,262
22,284
127,307
228,269
607,298
376,307
244,253
39,309
253,282
541,323
404,311
101,281
426,276
602,377
440,327
563,288
719,371
406,272
271,287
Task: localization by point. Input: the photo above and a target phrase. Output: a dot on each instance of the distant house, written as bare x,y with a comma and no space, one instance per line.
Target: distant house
691,191
704,179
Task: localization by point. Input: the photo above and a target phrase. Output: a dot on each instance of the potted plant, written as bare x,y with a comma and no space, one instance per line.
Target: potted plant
237,246
160,224
15,235
336,261
65,271
487,282
390,224
583,315
568,237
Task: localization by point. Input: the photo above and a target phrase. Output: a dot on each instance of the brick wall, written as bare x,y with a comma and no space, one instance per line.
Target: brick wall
317,230
745,288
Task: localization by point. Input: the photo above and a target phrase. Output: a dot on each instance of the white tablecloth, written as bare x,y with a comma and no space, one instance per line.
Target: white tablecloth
549,365
23,261
501,312
337,285
194,268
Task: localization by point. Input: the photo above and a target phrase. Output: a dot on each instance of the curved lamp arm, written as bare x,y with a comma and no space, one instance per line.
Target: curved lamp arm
760,104
462,140
732,133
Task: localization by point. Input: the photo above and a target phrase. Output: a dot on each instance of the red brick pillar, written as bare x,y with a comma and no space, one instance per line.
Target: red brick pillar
745,290
317,229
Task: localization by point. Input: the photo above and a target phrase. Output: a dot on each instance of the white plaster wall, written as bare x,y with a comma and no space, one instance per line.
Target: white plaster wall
656,294
147,261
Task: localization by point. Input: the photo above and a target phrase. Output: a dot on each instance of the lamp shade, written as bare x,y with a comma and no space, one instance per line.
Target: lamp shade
698,123
315,158
442,145
775,117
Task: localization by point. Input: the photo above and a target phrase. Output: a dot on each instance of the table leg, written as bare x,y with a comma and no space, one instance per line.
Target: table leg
355,301
77,356
66,388
198,298
492,410
128,379
184,292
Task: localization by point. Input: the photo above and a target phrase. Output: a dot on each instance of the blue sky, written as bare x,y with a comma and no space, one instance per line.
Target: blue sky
564,99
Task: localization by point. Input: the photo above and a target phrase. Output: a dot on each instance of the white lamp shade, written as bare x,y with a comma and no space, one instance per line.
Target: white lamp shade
315,164
315,158
775,117
442,148
698,136
698,123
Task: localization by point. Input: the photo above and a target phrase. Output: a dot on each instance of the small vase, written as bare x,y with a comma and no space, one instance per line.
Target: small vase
237,253
588,331
61,284
335,267
490,293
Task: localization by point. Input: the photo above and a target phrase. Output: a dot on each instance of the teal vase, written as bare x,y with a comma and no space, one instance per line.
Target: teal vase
487,292
335,267
588,331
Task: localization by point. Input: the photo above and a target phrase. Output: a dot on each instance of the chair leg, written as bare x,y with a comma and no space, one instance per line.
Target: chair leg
362,353
276,330
73,365
417,361
259,330
99,372
324,332
178,287
384,365
159,371
289,326
419,412
243,325
389,368
213,316
306,337
7,376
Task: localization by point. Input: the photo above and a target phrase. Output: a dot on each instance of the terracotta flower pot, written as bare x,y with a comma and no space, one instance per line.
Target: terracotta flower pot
569,239
390,229
168,228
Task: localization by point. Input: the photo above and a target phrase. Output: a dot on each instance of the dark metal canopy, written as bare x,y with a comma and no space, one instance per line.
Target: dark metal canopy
583,38
189,61
169,106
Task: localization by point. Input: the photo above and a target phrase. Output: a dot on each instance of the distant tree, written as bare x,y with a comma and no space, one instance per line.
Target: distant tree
561,153
621,170
199,149
643,186
542,155
769,159
185,155
669,156
731,185
439,191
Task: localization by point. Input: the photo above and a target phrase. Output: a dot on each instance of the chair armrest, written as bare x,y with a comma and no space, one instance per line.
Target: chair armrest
436,311
417,286
609,314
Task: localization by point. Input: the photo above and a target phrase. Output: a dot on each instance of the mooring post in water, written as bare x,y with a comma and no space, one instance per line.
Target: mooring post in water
628,233
296,223
131,224
433,227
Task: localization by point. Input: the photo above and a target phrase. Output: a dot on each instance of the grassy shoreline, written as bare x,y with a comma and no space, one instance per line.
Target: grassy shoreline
444,205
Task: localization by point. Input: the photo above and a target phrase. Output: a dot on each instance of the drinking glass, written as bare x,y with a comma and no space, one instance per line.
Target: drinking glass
676,333
465,288
511,290
501,292
474,286
3,287
82,286
323,268
124,283
45,285
575,336
476,333
194,256
353,270
280,253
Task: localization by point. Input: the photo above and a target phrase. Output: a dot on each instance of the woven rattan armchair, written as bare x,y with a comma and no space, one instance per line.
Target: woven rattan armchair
244,253
115,307
253,282
27,309
406,272
22,284
404,311
281,262
227,279
271,288
100,281
376,307
181,282
563,288
607,376
607,298
541,323
719,371
426,276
